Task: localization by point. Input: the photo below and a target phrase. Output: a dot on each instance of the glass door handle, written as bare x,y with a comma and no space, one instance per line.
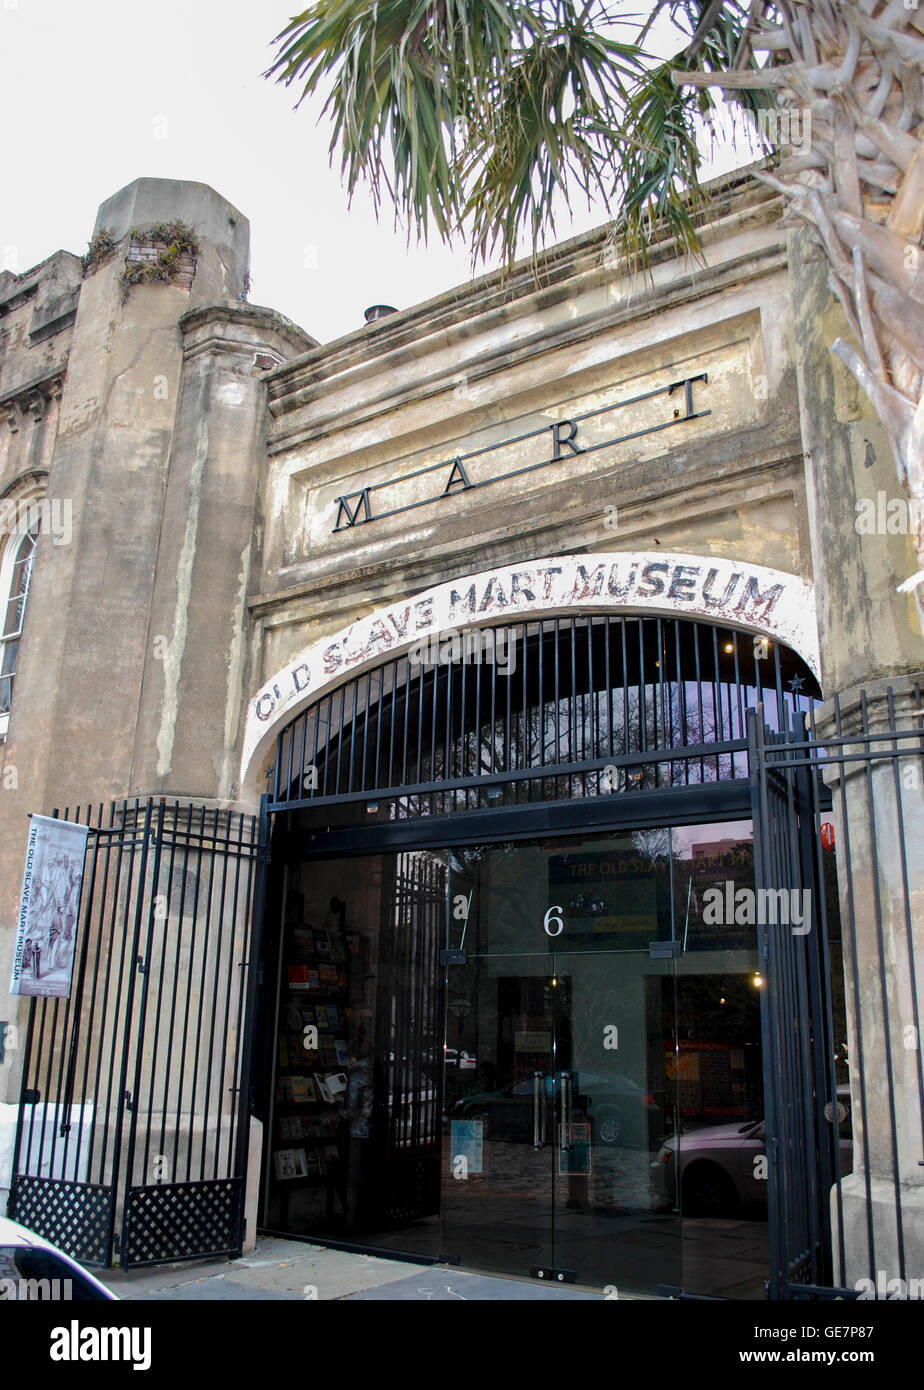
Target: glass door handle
538,1111
564,1135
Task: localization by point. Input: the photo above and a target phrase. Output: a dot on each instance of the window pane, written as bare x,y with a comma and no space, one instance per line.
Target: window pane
14,608
19,586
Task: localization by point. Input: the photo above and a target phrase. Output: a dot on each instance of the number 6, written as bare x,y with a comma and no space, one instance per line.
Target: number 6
549,919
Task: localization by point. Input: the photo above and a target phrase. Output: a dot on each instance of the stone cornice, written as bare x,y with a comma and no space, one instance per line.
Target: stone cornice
31,397
485,303
690,287
226,319
26,284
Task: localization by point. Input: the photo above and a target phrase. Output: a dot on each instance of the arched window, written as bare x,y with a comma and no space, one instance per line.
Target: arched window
15,574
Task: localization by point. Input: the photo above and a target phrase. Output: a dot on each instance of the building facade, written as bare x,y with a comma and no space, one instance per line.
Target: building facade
420,692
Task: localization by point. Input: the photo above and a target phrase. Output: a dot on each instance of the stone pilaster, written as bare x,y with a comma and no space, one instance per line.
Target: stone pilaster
196,659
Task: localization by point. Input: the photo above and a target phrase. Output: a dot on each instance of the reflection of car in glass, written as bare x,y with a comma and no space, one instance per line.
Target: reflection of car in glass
463,1060
720,1168
32,1268
620,1110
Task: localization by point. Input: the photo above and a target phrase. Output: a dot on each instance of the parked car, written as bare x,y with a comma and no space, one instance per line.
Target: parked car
31,1268
620,1110
720,1168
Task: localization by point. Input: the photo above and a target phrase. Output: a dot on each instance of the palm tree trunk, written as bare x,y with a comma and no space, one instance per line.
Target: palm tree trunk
847,79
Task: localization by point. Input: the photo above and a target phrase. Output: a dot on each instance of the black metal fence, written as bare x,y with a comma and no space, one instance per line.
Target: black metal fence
838,809
133,1131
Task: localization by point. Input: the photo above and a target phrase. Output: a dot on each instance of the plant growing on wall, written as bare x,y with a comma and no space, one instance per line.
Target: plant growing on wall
173,240
477,116
101,247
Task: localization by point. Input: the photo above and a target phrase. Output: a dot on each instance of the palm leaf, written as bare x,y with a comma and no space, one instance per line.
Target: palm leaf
484,118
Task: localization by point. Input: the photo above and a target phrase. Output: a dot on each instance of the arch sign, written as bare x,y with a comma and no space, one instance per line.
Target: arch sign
731,593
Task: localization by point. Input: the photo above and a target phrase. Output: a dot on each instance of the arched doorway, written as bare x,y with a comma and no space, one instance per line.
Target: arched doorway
497,1006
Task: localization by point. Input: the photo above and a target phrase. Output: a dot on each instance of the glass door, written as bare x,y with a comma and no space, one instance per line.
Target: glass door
498,1155
559,1086
614,1214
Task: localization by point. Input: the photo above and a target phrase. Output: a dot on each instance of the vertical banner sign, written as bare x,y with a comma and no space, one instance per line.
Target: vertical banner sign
44,956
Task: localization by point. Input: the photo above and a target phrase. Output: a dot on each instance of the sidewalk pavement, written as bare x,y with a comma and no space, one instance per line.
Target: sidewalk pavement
292,1270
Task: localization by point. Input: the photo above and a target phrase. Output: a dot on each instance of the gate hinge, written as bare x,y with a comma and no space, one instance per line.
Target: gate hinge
129,1104
139,961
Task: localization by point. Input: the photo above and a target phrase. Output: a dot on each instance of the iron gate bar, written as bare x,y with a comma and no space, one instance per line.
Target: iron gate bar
86,892
257,889
819,1001
202,978
144,970
172,846
694,806
677,754
122,1101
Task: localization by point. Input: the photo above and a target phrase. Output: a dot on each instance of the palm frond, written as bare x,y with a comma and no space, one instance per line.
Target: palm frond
485,118
657,182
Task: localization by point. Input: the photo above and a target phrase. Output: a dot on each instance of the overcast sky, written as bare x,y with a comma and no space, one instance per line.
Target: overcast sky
96,94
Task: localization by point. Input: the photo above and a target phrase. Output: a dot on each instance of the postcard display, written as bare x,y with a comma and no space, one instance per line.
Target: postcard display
323,1045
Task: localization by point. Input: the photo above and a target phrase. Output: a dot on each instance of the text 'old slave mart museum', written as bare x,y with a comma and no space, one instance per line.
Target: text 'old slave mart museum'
462,784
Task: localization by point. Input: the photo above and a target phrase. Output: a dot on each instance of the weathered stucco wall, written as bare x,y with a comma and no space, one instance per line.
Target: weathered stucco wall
480,368
143,414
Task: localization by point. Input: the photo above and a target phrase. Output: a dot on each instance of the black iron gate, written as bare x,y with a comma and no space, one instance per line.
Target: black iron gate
133,1126
836,821
797,1007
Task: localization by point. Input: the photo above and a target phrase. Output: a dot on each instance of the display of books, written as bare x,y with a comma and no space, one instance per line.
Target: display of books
296,1090
333,1087
290,1163
290,1127
328,986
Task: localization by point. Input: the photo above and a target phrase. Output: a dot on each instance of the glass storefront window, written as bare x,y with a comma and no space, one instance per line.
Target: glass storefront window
528,1056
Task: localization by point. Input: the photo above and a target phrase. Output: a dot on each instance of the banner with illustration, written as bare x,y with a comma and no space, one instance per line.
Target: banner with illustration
43,958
